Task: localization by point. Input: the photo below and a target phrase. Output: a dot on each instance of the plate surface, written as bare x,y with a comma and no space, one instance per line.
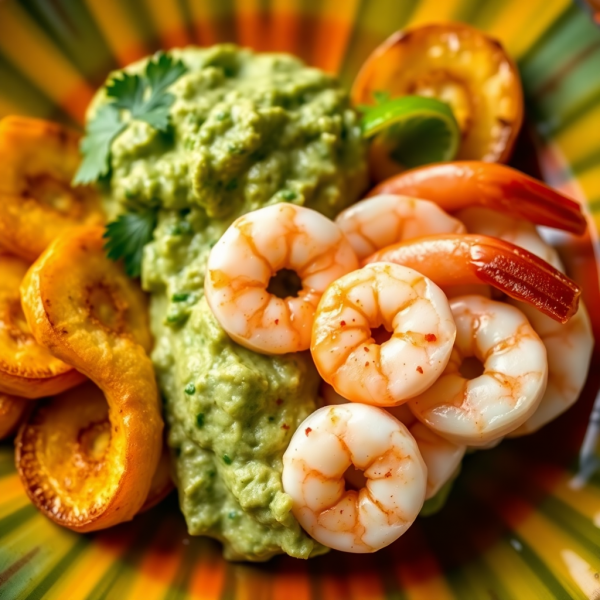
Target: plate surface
524,519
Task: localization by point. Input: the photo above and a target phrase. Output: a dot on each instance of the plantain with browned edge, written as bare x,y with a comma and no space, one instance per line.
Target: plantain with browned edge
27,369
81,306
38,160
69,437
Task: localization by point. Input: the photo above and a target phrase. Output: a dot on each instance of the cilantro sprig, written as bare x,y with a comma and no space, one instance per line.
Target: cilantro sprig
131,97
127,236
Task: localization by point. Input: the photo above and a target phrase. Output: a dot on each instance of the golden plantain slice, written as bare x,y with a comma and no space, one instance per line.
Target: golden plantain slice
82,307
26,368
66,454
38,160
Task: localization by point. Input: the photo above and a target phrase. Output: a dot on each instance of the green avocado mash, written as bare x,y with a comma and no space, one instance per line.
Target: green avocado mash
246,130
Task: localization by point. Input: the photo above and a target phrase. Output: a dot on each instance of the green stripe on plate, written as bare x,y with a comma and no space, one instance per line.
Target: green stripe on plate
16,519
58,569
539,567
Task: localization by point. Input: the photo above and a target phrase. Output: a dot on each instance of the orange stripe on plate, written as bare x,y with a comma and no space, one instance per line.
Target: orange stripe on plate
32,52
119,30
285,26
252,25
292,581
169,22
208,577
204,16
333,31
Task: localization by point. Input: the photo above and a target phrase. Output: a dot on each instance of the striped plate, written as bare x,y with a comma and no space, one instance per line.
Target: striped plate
524,519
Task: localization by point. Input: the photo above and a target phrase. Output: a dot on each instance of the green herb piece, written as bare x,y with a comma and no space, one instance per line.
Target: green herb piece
127,236
232,514
288,194
226,459
413,129
95,146
190,389
180,297
142,97
200,420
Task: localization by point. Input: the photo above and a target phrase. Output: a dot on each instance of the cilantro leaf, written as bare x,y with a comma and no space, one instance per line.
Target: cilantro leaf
95,146
131,97
127,236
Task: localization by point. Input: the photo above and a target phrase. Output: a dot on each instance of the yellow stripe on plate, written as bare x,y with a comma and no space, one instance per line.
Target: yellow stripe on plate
30,50
82,577
13,495
168,20
589,181
119,30
159,564
434,11
520,24
578,140
549,542
503,558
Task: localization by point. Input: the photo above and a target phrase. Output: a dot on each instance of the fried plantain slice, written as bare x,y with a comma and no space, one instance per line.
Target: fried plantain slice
38,160
65,448
82,307
26,368
12,410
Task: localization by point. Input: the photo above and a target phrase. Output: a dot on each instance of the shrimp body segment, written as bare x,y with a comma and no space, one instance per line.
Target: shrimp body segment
325,445
515,370
457,185
409,306
441,457
252,251
383,220
474,259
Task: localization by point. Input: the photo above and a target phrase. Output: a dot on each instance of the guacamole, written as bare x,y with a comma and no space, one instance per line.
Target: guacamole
247,130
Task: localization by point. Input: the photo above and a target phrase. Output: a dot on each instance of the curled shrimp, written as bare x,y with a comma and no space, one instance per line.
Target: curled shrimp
475,411
441,456
258,246
569,346
474,259
463,184
406,304
325,445
380,221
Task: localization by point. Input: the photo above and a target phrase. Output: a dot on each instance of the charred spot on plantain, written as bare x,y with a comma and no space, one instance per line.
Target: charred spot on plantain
53,193
107,307
14,323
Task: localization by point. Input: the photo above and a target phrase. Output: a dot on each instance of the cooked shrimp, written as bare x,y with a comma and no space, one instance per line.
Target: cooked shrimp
258,246
569,346
478,410
473,259
463,184
441,456
403,302
383,220
325,445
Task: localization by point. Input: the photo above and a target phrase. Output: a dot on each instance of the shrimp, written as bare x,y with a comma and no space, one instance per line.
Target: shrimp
257,247
380,221
475,411
463,184
569,346
405,303
441,457
473,259
325,445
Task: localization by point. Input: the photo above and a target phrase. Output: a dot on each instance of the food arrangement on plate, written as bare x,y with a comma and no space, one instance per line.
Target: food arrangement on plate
347,293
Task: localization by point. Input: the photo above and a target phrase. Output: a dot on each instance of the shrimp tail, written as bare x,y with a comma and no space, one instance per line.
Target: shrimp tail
480,259
463,184
524,276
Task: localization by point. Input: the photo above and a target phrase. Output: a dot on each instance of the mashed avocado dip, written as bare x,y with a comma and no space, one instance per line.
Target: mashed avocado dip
246,130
